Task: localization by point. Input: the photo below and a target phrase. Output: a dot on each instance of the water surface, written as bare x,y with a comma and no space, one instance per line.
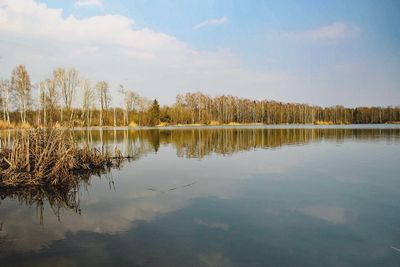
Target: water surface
252,196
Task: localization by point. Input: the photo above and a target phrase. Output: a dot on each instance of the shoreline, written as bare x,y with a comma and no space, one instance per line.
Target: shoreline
224,126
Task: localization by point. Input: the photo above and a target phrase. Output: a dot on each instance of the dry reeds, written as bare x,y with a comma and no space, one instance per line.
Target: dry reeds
12,125
50,159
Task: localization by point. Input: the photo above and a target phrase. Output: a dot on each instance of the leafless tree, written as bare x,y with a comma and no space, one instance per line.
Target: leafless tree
48,99
88,101
21,87
143,105
67,81
5,88
104,98
131,101
42,104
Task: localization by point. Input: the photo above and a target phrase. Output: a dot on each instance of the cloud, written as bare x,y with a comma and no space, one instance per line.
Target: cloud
111,47
211,22
87,3
332,32
158,65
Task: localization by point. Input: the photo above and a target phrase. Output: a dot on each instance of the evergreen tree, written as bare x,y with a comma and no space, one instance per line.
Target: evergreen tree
154,113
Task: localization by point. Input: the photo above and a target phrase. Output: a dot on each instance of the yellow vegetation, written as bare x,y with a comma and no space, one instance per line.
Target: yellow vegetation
12,125
57,125
323,123
24,125
162,124
189,125
214,123
5,125
329,123
238,123
133,124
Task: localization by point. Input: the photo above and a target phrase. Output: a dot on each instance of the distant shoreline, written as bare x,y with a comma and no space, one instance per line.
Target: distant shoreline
207,126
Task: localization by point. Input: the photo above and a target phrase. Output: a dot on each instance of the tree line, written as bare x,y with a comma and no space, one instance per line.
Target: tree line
55,103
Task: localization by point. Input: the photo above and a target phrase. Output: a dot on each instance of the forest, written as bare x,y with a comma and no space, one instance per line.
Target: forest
67,99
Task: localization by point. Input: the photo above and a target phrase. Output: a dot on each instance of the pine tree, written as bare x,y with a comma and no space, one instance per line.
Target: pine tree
154,113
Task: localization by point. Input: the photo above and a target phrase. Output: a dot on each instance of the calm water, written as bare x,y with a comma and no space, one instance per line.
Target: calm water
220,197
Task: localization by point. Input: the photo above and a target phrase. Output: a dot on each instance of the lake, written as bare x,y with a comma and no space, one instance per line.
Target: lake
227,196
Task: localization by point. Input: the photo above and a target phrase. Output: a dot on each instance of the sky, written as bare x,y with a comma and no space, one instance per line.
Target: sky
316,52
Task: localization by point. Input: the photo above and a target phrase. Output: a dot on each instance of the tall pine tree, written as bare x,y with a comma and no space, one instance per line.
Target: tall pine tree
154,113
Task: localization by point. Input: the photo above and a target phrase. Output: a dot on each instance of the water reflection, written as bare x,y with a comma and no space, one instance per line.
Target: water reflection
189,143
282,203
200,142
56,198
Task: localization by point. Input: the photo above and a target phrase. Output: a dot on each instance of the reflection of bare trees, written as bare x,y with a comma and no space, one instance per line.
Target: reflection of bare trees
132,143
199,142
56,168
58,199
191,143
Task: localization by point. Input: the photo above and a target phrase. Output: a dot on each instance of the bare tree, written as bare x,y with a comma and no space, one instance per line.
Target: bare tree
21,86
73,82
188,108
60,78
131,100
67,81
42,103
88,101
5,99
104,98
143,105
48,97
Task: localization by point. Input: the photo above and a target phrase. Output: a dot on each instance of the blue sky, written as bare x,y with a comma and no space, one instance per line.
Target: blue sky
319,52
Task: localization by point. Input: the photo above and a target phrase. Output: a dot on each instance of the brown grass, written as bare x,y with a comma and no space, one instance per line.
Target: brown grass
6,125
12,125
50,158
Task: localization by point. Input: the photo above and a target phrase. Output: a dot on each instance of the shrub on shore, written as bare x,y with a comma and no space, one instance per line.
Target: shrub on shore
50,158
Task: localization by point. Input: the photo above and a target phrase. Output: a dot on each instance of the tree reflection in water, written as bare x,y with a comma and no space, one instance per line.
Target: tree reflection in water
58,199
188,142
200,142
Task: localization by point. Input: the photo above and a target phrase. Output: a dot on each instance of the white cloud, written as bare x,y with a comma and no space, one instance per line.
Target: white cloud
87,3
334,31
211,22
158,65
110,47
